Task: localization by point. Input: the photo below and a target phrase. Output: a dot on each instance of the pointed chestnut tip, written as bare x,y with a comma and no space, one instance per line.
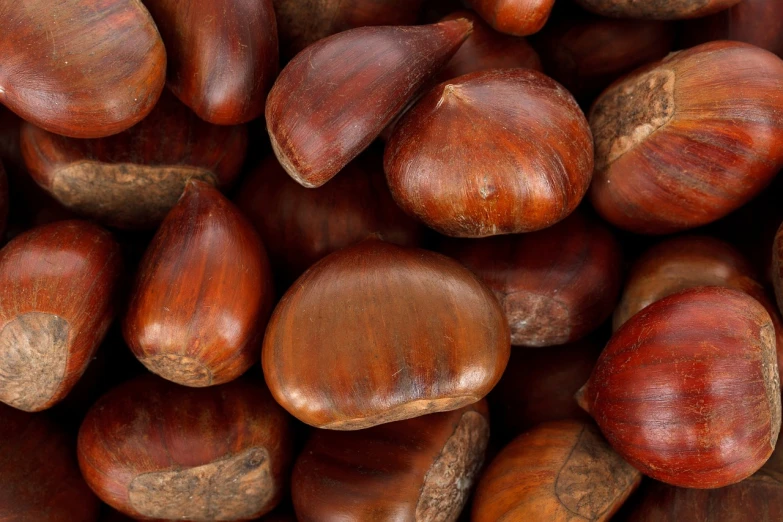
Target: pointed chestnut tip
288,165
581,397
465,24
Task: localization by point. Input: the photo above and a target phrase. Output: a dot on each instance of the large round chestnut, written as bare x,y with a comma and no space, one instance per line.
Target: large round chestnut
446,166
377,333
684,141
558,472
656,10
203,293
688,391
155,450
419,469
80,68
517,17
555,285
57,286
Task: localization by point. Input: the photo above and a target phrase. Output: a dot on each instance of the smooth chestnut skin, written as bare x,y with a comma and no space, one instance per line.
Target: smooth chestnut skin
203,293
656,10
517,17
96,67
417,469
377,333
57,285
300,226
685,141
41,480
688,389
155,450
131,180
223,55
556,285
559,472
336,96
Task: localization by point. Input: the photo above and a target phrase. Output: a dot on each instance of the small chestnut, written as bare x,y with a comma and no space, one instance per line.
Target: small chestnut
656,10
377,333
517,17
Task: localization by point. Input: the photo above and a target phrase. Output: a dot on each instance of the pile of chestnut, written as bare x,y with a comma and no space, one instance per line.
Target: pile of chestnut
391,260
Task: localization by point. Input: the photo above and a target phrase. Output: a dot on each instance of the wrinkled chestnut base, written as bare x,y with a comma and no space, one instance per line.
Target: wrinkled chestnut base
181,369
408,410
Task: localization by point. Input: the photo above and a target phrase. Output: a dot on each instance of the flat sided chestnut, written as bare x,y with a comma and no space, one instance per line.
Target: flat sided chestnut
364,77
417,469
155,450
444,165
56,302
203,293
517,17
41,479
377,333
558,472
222,54
132,179
684,141
94,67
299,226
665,10
556,285
688,391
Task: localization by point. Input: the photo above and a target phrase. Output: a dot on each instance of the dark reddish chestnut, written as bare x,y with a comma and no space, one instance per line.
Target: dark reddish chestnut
683,142
687,390
517,17
364,77
155,450
132,179
444,164
377,333
417,469
222,55
656,10
299,226
56,303
203,293
81,68
558,472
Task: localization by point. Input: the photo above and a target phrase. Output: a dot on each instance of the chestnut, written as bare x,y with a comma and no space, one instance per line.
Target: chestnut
3,199
416,469
664,10
444,165
688,391
364,77
153,449
377,333
222,54
517,17
41,480
300,226
56,303
203,293
684,141
80,68
558,472
777,266
131,180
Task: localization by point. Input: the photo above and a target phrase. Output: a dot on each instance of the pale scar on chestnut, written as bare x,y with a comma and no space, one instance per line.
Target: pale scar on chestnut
404,411
179,368
771,378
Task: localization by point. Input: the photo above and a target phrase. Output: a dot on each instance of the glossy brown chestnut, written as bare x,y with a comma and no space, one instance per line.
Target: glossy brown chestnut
81,68
132,179
299,226
41,480
222,55
558,472
203,293
517,17
152,449
378,333
683,142
656,10
417,469
56,302
337,95
688,389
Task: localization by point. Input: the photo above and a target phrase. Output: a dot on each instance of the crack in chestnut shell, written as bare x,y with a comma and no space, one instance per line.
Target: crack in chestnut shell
656,9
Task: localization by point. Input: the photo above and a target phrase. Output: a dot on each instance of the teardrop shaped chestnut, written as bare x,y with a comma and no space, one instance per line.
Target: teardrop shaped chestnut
517,17
445,166
132,179
684,141
377,333
417,469
57,286
558,472
80,68
688,389
223,55
336,96
203,293
155,450
666,10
